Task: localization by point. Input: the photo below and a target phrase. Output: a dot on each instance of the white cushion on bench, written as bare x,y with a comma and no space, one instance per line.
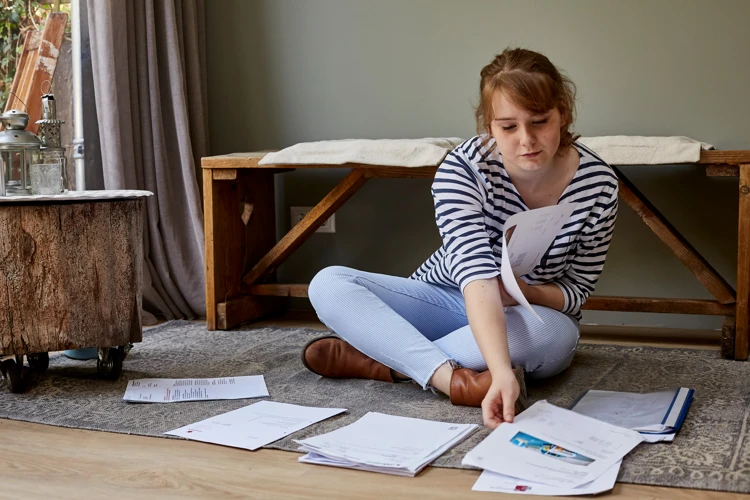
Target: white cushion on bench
637,150
427,152
430,152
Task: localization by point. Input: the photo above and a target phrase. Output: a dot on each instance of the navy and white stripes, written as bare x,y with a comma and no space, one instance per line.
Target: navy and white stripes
474,196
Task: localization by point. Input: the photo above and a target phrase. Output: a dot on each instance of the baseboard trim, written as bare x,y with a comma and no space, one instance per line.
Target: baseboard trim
600,332
650,332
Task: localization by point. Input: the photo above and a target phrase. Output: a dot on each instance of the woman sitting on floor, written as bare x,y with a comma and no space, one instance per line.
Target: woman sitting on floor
451,325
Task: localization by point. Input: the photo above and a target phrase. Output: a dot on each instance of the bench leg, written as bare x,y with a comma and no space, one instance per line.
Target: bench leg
743,267
728,337
669,235
240,227
307,226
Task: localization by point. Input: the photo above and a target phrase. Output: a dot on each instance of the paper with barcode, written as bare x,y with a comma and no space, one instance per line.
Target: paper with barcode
170,390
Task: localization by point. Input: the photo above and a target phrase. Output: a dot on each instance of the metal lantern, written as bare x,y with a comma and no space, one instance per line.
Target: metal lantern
52,153
17,145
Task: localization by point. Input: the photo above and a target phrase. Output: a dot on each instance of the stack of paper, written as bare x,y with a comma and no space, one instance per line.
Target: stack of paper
553,450
172,390
385,443
255,425
656,415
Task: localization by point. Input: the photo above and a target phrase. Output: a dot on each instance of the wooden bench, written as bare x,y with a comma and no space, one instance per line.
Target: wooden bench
242,253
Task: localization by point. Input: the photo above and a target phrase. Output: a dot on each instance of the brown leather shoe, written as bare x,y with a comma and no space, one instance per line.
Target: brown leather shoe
468,388
332,357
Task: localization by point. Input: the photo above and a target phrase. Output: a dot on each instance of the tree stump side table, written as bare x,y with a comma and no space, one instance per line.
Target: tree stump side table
70,278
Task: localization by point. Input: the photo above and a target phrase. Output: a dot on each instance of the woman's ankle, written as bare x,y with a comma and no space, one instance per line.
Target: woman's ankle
441,379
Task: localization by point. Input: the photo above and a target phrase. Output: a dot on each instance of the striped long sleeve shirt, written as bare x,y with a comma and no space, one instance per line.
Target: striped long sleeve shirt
474,196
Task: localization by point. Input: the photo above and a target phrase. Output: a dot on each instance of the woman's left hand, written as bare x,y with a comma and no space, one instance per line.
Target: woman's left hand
505,296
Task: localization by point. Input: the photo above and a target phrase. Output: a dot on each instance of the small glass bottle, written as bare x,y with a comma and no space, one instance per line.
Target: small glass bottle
47,172
50,163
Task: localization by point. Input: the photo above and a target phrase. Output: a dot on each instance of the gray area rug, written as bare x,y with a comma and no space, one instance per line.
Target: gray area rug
710,452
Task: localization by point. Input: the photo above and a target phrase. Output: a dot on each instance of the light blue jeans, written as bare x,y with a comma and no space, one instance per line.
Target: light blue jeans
414,327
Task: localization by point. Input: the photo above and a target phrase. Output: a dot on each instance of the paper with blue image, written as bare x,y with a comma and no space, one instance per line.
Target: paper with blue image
563,449
526,237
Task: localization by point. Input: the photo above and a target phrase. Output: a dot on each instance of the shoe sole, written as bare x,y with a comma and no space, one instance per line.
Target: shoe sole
311,342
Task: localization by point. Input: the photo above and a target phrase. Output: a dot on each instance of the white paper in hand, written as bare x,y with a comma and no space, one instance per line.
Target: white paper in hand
526,237
511,285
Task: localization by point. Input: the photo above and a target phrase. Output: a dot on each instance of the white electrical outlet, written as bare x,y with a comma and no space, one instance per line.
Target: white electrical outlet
298,213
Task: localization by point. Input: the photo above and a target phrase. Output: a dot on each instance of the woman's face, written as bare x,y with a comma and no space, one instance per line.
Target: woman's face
526,140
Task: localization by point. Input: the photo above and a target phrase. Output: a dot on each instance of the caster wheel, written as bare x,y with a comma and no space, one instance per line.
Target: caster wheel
109,364
12,373
38,362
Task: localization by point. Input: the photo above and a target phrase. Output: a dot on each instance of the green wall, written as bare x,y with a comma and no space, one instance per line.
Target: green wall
287,71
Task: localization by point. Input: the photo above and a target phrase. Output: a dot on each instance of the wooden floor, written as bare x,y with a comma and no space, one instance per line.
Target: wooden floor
39,461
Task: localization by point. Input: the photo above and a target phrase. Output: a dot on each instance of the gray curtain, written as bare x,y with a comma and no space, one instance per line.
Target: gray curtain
148,60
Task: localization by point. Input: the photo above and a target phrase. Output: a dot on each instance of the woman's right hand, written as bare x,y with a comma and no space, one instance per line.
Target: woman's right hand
499,404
